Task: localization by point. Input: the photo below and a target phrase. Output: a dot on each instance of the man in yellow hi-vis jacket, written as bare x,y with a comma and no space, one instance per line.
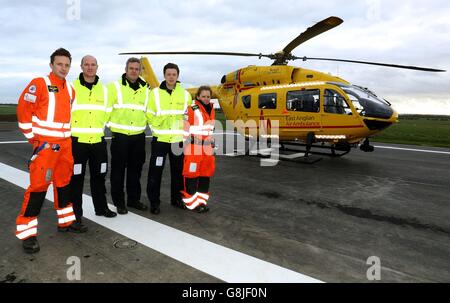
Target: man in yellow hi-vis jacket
165,114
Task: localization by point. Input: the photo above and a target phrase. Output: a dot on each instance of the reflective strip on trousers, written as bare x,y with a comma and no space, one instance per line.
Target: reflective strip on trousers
30,224
192,205
191,199
201,201
204,196
28,233
64,211
67,219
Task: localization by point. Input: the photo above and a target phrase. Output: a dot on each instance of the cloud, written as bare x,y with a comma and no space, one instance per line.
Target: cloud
401,32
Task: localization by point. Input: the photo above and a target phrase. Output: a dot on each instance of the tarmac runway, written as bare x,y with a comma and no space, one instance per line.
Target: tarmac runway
292,222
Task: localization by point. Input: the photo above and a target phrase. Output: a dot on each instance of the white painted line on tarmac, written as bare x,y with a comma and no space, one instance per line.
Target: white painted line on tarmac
107,138
216,260
13,142
414,150
376,146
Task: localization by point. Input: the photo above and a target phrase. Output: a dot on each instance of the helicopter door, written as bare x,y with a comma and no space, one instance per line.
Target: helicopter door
337,115
303,113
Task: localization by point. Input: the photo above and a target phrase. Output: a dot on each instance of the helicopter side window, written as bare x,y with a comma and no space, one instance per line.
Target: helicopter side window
247,101
334,103
267,101
303,100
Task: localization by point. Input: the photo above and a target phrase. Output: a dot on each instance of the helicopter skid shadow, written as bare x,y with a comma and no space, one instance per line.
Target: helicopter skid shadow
267,154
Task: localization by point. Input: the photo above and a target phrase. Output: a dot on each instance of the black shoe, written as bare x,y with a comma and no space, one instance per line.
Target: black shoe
138,205
155,210
108,213
178,204
31,245
201,209
75,227
122,210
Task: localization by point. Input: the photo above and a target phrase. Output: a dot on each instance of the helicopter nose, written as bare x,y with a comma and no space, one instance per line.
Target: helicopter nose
380,124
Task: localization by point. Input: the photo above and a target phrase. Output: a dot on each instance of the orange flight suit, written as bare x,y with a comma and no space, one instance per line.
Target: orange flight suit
199,160
43,113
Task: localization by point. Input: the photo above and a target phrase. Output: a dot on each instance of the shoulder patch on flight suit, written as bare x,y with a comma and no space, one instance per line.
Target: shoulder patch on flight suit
29,97
194,107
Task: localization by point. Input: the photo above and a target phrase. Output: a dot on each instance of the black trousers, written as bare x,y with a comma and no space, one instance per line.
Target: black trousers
97,156
157,161
127,156
193,185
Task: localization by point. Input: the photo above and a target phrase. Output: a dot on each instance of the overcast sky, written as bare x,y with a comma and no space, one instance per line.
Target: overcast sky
405,32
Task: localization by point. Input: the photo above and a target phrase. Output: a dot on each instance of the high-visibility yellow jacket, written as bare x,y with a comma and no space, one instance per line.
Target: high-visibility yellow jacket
128,107
90,111
165,113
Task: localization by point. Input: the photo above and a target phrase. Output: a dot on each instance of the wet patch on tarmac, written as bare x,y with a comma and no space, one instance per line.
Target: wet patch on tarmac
270,194
11,278
367,214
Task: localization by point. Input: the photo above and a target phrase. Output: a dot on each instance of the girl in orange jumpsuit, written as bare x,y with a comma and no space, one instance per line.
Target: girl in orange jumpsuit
199,161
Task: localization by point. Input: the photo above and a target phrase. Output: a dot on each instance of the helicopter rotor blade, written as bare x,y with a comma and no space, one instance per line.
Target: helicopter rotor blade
200,53
425,69
311,32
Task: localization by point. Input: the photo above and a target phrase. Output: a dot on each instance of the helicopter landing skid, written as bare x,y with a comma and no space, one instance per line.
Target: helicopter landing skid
267,153
335,152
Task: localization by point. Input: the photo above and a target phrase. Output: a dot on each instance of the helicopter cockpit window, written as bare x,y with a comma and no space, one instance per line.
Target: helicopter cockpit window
334,103
267,101
367,103
303,100
246,100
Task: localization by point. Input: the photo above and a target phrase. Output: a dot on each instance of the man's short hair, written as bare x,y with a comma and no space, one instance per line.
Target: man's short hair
82,59
132,60
171,65
60,52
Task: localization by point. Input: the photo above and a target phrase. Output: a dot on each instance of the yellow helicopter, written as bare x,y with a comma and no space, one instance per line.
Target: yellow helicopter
299,106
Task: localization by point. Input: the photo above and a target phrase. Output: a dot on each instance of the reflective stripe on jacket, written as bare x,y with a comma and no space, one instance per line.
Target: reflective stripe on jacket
90,112
128,108
165,113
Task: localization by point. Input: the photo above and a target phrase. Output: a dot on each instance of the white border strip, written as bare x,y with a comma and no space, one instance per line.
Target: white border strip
216,260
376,146
415,150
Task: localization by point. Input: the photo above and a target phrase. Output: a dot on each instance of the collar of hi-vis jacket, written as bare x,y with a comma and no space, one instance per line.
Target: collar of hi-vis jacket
136,85
88,84
163,86
206,107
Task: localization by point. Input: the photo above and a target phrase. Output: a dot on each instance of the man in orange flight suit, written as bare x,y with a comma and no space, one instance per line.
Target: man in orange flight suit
199,161
44,112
